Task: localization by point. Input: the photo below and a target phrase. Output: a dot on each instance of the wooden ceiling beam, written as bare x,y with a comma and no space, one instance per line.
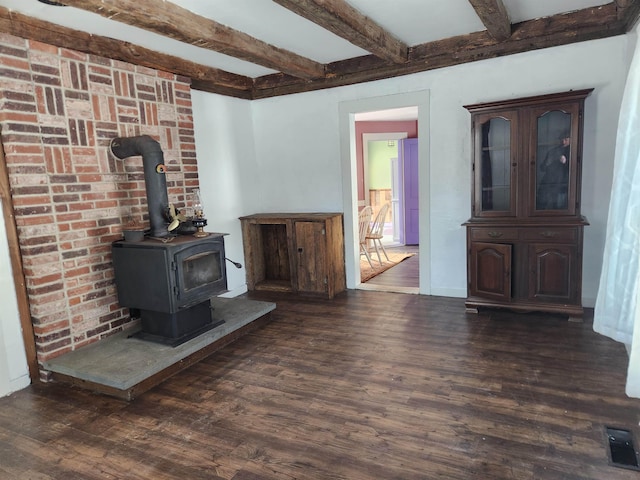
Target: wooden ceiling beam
494,16
628,12
563,29
587,24
342,19
215,80
173,21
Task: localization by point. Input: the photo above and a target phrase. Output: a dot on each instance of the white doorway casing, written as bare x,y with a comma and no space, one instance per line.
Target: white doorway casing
347,113
397,203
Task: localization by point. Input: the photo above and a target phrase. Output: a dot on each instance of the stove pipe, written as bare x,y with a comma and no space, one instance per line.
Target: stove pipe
154,179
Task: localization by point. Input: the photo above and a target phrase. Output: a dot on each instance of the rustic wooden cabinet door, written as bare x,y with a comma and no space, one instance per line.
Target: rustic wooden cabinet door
490,270
295,252
312,254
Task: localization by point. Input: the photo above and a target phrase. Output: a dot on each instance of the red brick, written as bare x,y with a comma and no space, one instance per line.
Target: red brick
16,63
44,289
83,178
68,217
79,291
57,347
83,224
43,47
73,55
11,148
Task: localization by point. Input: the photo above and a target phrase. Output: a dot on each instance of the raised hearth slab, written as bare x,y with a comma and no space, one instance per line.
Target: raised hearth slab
125,366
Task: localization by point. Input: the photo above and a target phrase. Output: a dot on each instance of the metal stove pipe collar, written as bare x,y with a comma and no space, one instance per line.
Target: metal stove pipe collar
154,178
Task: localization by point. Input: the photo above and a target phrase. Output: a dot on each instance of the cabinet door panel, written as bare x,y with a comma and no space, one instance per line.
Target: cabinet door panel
551,273
490,272
495,149
311,254
555,152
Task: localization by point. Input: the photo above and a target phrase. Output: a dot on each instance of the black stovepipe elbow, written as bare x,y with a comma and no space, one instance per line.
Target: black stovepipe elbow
154,178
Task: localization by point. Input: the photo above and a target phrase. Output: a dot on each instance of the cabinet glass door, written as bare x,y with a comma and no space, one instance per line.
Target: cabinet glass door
495,176
555,141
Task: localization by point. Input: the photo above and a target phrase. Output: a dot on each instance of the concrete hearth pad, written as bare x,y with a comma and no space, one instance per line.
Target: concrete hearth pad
121,362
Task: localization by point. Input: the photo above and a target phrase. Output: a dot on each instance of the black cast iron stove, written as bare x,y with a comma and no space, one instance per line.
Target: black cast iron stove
169,278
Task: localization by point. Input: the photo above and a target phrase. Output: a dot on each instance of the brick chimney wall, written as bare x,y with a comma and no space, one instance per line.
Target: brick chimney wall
59,109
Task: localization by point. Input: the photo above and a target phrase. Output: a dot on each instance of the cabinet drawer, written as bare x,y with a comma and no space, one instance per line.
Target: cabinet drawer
497,234
549,234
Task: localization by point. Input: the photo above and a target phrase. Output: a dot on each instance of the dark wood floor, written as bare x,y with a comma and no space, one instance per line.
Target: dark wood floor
368,385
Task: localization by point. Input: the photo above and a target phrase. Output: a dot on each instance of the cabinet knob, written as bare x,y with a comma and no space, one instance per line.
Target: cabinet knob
299,249
549,234
495,234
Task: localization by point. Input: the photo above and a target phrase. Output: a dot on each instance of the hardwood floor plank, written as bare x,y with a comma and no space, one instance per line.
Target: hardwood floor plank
366,385
406,274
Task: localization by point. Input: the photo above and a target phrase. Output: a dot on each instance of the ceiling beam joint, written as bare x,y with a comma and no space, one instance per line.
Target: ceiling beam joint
343,20
494,16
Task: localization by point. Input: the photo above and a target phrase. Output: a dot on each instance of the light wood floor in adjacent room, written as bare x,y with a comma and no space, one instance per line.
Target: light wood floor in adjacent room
405,275
368,385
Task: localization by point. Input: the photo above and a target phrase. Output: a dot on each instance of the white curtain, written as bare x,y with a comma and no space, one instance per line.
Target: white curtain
617,310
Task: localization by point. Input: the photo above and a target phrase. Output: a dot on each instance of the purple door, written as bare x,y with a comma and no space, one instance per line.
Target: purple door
409,148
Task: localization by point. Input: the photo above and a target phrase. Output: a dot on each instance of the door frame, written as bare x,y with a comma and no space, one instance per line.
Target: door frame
347,112
397,200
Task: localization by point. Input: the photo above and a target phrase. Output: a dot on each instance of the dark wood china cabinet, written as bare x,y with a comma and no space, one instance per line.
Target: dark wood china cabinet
524,238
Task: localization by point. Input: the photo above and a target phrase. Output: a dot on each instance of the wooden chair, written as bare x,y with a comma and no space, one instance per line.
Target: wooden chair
377,232
364,221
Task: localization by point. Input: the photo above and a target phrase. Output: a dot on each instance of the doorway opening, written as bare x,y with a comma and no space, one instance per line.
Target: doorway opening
356,195
390,171
382,178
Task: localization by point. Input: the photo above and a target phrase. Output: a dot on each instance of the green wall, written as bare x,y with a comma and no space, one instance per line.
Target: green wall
380,155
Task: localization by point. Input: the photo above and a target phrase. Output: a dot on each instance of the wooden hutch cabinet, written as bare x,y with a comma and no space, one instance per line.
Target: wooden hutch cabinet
524,238
294,252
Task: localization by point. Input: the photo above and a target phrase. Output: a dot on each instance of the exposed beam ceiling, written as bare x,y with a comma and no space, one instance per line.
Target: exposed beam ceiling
389,56
628,11
582,25
180,24
217,81
494,16
339,17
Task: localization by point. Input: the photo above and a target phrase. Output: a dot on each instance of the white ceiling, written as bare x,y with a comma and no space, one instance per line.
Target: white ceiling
412,21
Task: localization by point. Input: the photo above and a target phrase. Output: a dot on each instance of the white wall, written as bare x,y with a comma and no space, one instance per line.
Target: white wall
229,176
14,372
295,161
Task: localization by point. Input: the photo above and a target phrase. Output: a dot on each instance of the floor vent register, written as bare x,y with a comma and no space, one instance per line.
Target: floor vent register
622,452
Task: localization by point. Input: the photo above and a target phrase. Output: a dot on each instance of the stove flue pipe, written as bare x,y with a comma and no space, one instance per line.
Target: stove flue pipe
154,178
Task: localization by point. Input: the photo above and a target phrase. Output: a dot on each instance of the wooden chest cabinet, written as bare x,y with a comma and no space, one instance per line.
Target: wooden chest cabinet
294,252
526,268
524,238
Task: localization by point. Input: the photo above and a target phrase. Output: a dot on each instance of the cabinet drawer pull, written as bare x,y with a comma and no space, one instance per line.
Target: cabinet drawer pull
549,234
495,234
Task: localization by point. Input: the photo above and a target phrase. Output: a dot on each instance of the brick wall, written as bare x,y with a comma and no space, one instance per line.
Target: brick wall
58,111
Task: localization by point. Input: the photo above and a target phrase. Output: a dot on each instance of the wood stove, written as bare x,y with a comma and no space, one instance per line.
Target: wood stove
169,278
171,283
